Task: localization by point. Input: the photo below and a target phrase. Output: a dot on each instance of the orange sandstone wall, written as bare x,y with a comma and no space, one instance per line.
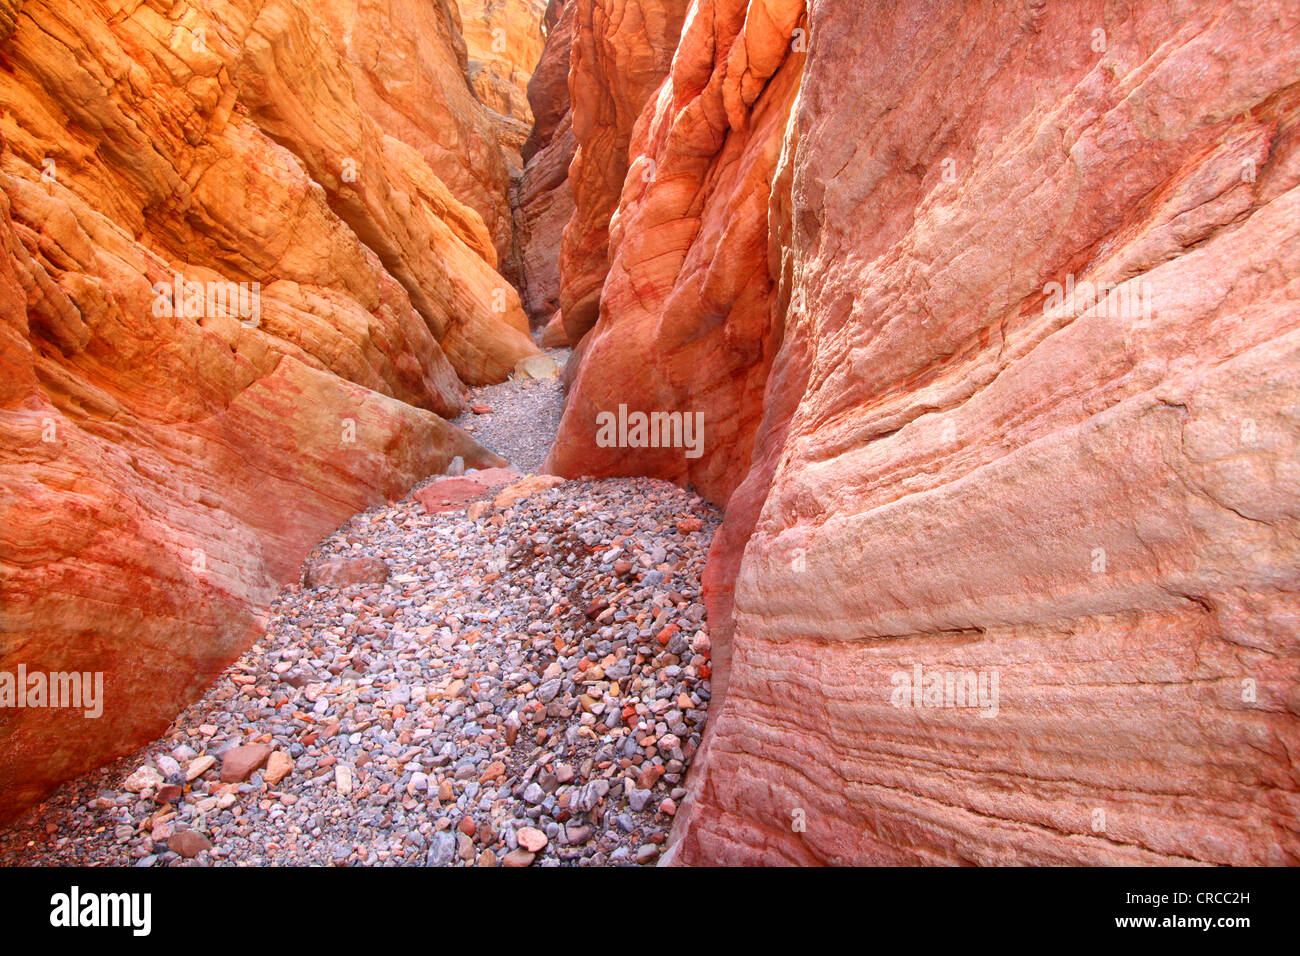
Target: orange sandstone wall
163,469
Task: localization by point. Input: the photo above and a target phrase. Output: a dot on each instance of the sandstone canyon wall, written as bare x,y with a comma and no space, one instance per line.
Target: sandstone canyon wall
407,62
862,239
685,308
503,41
165,465
840,227
543,202
620,51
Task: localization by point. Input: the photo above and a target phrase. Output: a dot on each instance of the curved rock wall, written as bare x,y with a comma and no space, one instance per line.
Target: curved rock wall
503,40
968,466
543,200
166,460
686,323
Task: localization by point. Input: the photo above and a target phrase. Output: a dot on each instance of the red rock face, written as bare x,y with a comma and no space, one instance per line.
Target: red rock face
543,201
1097,504
942,460
163,470
1009,569
686,311
621,50
548,87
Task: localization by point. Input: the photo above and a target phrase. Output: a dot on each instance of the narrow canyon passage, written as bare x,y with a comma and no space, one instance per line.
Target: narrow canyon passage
488,671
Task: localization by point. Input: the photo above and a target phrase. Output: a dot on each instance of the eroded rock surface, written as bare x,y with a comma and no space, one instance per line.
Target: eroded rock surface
503,40
406,61
543,200
952,463
620,52
686,310
862,241
170,451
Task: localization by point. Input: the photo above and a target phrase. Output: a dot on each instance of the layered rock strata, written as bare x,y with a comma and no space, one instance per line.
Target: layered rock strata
543,201
237,301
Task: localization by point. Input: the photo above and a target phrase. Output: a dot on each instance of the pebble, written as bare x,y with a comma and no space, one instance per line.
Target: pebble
239,763
278,766
442,849
170,769
188,843
145,778
518,858
199,766
531,839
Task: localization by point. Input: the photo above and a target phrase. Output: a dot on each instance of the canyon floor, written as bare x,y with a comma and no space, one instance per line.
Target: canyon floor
518,418
488,672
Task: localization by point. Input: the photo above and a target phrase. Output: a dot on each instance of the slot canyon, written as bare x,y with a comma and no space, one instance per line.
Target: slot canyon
677,432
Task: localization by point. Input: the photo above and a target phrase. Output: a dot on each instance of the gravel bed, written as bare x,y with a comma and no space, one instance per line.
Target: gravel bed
524,416
518,683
